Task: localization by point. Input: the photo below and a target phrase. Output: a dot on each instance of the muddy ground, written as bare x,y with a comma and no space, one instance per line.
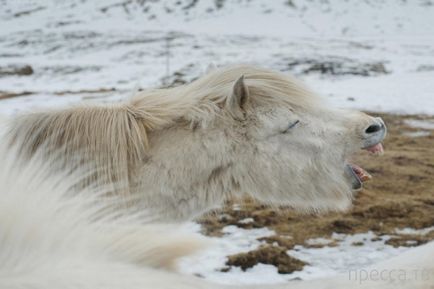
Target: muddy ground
400,195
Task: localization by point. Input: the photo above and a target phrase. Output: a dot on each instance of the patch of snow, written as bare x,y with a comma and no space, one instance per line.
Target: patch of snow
319,241
258,274
423,124
415,134
234,240
407,93
40,101
350,252
246,221
411,231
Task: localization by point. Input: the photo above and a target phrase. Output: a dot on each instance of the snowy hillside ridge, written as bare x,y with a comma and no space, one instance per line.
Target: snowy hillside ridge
290,17
370,55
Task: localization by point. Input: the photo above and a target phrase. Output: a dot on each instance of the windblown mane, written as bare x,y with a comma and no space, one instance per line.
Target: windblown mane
110,136
202,99
115,137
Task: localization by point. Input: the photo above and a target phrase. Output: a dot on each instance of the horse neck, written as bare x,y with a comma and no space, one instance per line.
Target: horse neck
185,176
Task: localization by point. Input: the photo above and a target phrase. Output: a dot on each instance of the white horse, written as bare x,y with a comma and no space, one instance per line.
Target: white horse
52,236
180,152
183,151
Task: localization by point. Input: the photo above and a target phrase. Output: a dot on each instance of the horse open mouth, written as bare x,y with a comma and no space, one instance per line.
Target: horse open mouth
359,175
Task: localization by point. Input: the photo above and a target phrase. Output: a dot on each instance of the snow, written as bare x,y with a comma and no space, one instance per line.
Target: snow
290,18
80,50
404,93
416,134
411,231
319,241
89,45
246,221
350,252
424,124
235,240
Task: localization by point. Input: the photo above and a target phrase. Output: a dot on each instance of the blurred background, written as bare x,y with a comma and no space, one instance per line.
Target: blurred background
376,56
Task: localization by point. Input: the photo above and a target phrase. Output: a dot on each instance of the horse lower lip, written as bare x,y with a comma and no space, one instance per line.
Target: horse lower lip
356,183
358,175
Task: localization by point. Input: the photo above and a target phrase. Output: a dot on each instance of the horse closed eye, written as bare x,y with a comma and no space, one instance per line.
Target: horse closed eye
291,125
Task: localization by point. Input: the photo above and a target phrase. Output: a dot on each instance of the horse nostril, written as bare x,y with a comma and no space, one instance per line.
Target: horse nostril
373,128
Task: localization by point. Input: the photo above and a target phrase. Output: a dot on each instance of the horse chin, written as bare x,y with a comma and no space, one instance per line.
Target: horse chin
356,174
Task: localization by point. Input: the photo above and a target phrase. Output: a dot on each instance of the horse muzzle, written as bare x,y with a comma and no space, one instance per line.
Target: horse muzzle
373,135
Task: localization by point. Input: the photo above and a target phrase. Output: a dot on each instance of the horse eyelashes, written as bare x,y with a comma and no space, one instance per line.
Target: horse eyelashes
291,125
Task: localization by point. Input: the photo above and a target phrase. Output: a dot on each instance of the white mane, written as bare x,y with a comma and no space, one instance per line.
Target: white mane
201,100
116,137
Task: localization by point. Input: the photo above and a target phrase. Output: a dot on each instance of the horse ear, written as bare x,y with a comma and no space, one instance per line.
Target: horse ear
240,94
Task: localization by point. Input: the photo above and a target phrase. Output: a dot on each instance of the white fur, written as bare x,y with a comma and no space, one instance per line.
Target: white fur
54,237
179,151
183,151
51,237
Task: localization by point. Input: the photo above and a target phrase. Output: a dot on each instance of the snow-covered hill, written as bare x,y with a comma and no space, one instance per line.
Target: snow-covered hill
277,17
373,55
363,54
